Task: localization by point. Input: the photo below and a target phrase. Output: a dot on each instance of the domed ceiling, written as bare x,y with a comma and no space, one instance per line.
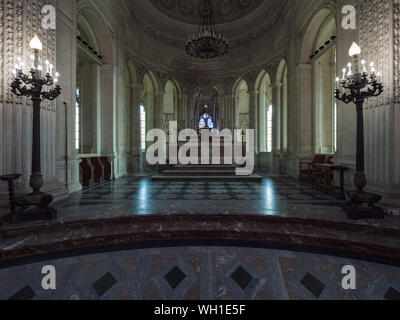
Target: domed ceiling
171,21
189,10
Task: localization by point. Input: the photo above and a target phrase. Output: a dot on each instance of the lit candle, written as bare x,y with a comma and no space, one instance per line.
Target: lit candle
379,77
337,83
47,66
363,62
40,71
36,45
51,69
33,61
354,52
344,73
373,71
350,71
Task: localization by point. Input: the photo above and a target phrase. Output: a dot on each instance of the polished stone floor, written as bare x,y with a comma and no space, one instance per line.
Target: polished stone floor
206,273
276,196
200,272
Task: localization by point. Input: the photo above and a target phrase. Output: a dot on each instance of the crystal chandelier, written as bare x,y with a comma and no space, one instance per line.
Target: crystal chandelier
207,44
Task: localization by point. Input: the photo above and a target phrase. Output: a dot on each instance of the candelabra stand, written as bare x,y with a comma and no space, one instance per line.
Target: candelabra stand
35,206
357,89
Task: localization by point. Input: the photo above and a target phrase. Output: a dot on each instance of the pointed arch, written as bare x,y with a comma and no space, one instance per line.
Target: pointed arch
309,41
318,55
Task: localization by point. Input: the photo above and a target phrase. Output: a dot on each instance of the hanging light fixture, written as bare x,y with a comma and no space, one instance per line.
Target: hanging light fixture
207,44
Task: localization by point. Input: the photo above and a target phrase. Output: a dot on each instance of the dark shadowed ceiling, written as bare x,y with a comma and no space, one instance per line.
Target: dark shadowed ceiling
189,10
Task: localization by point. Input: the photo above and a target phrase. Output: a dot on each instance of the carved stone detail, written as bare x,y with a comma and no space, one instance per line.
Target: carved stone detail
20,20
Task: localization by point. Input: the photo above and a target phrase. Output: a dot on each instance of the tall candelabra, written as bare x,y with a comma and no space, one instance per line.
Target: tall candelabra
39,85
356,87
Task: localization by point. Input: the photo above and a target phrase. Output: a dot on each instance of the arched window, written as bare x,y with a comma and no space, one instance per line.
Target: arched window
142,128
77,122
206,121
269,128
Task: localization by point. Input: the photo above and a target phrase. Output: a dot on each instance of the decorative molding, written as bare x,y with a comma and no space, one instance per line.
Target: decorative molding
20,20
375,39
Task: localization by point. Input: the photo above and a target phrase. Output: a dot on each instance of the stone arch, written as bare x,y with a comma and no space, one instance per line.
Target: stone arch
312,31
242,103
263,87
101,30
171,100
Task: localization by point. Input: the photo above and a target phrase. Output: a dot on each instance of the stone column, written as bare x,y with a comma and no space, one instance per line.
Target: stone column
134,157
305,148
254,123
182,111
276,127
108,115
230,107
159,109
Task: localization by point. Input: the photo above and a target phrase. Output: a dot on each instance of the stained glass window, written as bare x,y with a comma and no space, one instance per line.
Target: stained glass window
206,122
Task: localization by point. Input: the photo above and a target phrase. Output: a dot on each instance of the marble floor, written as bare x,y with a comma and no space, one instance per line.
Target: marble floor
128,239
276,196
206,273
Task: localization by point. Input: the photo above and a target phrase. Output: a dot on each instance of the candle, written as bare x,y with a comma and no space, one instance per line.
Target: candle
344,73
337,83
363,63
379,77
40,71
350,73
372,65
51,69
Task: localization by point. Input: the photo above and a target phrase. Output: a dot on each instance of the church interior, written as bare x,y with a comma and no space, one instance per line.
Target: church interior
308,90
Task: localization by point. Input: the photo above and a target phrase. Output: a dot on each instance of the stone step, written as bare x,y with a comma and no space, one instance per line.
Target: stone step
197,172
163,178
204,167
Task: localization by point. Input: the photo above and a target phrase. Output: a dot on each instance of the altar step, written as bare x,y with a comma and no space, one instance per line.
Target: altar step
207,173
253,178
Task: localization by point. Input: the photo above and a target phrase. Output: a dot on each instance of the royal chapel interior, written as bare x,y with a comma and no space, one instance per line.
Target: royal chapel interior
308,89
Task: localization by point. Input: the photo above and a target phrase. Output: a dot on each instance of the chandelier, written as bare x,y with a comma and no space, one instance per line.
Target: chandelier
207,44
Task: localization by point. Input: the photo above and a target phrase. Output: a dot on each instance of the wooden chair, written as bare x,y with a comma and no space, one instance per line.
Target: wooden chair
104,162
85,173
307,168
98,170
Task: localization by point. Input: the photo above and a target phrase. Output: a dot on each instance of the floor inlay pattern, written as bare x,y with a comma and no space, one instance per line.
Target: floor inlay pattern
278,196
193,273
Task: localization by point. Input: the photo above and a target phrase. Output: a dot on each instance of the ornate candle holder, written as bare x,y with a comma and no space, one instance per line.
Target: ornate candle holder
357,88
35,206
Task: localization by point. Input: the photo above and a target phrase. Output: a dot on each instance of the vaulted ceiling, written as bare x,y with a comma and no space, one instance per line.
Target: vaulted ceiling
171,21
189,10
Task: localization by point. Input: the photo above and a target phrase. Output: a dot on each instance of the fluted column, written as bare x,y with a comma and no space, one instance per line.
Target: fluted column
134,158
304,113
254,119
230,107
137,95
159,109
276,126
183,111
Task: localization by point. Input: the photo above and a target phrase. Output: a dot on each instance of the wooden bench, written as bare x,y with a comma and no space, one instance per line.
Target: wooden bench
94,170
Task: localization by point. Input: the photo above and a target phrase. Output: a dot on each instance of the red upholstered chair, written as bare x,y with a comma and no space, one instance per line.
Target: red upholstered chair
323,176
307,168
